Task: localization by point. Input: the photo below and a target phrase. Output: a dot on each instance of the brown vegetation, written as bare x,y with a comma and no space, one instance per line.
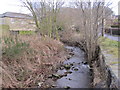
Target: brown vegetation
32,66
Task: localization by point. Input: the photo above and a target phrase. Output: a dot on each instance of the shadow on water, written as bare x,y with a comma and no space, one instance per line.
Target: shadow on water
78,71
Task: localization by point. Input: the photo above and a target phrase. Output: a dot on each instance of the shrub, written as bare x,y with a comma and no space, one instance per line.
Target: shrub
12,48
33,67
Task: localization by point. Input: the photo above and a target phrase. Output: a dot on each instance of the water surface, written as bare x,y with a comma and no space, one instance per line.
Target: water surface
80,71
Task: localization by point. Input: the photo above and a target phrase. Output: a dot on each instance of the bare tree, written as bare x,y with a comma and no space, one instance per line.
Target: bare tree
29,5
55,6
45,13
93,15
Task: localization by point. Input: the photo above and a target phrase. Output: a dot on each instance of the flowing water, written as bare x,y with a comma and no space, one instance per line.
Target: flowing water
79,75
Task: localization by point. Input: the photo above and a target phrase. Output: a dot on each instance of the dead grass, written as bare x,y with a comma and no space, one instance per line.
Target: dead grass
34,65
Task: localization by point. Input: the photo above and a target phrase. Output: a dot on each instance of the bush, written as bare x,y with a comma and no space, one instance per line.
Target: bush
12,48
34,64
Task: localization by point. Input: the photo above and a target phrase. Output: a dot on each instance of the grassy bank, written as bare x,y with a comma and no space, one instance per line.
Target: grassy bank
110,46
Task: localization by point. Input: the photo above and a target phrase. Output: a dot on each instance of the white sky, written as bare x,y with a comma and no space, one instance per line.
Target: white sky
14,6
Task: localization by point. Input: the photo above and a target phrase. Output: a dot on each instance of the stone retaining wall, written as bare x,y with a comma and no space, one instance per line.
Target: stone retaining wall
103,75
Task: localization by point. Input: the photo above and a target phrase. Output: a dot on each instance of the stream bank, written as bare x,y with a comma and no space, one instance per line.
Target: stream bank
104,77
102,74
83,76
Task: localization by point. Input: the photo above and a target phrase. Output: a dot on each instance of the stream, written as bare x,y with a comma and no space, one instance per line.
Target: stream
77,71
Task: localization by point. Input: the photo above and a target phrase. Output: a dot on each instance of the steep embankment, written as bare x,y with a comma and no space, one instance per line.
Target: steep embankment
28,60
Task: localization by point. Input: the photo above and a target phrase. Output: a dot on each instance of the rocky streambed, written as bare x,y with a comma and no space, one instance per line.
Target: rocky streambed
74,72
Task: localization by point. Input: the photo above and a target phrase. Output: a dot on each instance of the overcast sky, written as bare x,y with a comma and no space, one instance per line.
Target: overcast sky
14,6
